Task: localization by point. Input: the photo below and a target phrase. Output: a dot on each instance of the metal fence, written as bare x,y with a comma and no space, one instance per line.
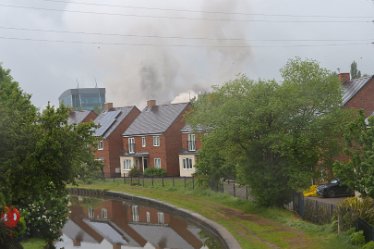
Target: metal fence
162,181
228,186
237,190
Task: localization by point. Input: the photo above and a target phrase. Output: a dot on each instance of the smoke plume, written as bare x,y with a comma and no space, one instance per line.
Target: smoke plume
163,68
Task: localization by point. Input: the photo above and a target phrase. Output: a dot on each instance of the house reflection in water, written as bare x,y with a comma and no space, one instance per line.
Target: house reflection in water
113,224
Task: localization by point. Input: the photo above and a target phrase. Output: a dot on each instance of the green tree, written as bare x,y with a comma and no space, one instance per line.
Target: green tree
355,73
39,154
274,137
358,170
17,133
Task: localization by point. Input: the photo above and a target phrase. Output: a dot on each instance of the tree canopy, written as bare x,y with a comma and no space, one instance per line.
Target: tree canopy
357,170
273,137
39,154
355,73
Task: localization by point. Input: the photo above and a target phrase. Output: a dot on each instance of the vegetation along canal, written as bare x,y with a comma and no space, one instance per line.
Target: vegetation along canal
112,223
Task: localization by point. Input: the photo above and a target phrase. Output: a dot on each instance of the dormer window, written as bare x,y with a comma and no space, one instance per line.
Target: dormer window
191,142
131,144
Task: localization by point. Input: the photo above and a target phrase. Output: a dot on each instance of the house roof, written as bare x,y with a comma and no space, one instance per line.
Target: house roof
77,117
155,120
188,129
351,88
108,121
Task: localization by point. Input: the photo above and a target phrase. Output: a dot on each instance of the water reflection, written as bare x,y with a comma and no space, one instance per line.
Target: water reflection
104,223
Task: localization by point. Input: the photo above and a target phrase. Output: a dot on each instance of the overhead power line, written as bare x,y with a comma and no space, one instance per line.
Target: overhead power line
175,37
181,17
202,11
96,43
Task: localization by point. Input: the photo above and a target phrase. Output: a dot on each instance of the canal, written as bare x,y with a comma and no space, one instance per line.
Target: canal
118,224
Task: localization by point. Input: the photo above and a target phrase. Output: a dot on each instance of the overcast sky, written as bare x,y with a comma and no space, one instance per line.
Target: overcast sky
160,49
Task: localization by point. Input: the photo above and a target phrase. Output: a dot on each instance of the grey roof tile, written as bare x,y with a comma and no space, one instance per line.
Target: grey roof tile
155,120
351,88
76,117
108,121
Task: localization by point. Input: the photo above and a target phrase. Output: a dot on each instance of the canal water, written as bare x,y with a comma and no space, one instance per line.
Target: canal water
115,224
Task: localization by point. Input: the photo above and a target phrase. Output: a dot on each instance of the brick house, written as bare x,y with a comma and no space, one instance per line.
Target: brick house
77,117
112,123
153,140
358,93
191,144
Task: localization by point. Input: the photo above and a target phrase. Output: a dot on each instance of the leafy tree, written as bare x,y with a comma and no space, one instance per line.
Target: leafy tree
39,154
358,169
355,73
17,133
273,137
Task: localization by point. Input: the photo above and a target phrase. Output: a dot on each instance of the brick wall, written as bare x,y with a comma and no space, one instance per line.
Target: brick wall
113,145
198,137
173,146
90,117
364,99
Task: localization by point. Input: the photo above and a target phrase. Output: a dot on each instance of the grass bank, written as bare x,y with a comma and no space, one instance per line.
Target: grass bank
253,227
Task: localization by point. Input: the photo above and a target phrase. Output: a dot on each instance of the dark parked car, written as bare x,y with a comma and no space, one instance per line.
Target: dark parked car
335,188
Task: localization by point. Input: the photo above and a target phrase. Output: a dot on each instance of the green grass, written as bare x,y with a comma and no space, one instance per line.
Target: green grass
33,244
253,227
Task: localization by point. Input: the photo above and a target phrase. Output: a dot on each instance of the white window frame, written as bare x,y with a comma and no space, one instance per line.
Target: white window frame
100,145
101,160
104,213
135,213
156,141
131,144
91,213
160,218
144,142
127,164
148,217
187,163
157,163
191,142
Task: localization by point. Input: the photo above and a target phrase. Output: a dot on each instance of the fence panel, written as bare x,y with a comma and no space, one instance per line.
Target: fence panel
367,228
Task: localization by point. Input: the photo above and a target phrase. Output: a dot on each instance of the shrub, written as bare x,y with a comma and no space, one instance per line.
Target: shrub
353,208
369,245
134,172
154,172
46,215
357,238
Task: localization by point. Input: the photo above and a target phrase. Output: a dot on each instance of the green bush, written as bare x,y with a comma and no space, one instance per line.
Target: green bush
134,172
353,208
154,172
46,215
357,238
369,245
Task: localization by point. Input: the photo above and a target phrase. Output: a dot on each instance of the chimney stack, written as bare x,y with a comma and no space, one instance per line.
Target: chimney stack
151,103
344,77
108,107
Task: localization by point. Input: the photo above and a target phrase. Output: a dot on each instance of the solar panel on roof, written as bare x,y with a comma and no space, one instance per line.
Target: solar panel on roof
105,121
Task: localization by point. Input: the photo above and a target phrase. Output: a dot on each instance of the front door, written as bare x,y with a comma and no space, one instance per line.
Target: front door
145,163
